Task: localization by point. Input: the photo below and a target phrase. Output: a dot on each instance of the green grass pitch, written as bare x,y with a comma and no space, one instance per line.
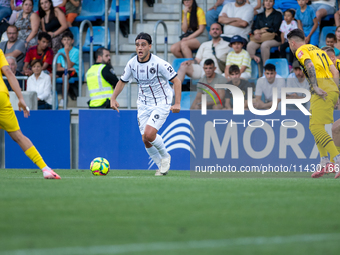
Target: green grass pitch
134,212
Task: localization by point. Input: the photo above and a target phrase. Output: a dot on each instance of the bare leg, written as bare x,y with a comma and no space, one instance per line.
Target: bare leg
336,132
188,45
176,50
183,70
320,14
20,139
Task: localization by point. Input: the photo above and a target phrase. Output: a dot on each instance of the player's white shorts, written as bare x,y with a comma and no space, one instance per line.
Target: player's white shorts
153,116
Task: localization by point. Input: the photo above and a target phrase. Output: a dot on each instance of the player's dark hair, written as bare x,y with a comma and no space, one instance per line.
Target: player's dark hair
193,22
269,67
234,69
144,36
331,36
328,49
99,52
45,35
67,34
291,11
34,61
209,62
296,33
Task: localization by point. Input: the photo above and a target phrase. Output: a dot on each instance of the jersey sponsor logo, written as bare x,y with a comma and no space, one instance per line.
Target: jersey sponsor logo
300,54
156,116
178,135
152,70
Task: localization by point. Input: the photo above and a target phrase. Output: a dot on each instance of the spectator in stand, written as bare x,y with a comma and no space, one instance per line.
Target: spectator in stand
210,78
40,82
101,80
72,11
28,23
257,5
14,47
265,86
337,17
193,26
287,25
267,25
60,3
239,57
212,14
16,6
72,56
53,21
5,9
330,42
235,79
13,65
42,52
216,49
308,22
237,19
322,8
297,79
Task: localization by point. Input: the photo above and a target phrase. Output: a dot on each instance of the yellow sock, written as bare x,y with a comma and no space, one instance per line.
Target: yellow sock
35,156
323,140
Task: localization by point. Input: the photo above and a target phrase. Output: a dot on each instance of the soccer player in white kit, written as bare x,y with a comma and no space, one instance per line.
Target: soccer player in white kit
154,98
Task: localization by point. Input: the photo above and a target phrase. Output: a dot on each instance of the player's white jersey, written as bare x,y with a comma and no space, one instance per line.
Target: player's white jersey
153,78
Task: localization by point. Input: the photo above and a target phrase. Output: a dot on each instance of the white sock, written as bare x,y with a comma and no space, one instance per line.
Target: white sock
158,143
336,158
154,155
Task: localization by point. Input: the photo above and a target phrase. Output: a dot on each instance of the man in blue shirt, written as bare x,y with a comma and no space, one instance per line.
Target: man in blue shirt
72,56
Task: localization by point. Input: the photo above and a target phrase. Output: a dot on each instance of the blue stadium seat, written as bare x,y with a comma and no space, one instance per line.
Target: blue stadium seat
91,10
185,99
254,71
124,10
35,5
98,39
177,63
75,32
272,50
324,32
281,65
72,79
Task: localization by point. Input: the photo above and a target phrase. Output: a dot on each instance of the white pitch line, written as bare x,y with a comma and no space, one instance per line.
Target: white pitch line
167,246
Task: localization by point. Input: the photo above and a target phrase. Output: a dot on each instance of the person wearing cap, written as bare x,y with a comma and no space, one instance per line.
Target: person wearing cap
239,57
297,79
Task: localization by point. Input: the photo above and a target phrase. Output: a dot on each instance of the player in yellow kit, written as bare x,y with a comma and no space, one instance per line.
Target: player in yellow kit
323,78
9,122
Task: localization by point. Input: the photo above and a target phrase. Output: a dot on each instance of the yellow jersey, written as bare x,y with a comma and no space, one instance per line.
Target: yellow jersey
338,64
321,63
3,62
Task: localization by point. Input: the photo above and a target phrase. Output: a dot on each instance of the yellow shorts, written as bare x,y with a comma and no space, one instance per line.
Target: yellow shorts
322,110
8,120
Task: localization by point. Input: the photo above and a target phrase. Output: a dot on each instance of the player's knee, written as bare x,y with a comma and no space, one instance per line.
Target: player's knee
149,137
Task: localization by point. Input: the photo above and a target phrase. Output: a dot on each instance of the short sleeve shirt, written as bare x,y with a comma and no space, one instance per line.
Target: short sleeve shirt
263,86
18,45
3,62
200,17
244,85
74,57
286,28
240,59
32,54
306,18
218,79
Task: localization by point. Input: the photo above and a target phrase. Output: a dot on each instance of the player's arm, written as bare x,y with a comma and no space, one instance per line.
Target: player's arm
309,66
178,90
119,87
335,73
13,82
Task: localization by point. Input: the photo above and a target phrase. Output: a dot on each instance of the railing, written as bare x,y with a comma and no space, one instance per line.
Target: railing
22,78
106,22
54,81
117,28
140,11
80,73
165,39
205,9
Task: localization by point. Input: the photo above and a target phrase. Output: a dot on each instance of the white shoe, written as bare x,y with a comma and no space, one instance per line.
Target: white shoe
61,103
165,165
158,173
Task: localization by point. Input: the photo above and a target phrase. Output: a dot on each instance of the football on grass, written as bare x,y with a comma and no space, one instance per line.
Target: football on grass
100,166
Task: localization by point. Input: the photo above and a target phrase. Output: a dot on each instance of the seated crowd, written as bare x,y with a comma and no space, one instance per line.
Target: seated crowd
242,31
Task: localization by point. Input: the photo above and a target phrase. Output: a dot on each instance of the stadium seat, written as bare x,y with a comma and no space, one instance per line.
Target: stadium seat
72,79
35,5
284,5
272,50
281,65
75,32
177,63
185,99
91,10
323,34
254,72
124,10
98,39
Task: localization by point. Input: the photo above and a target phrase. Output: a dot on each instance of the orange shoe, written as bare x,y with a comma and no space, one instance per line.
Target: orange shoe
328,168
50,174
